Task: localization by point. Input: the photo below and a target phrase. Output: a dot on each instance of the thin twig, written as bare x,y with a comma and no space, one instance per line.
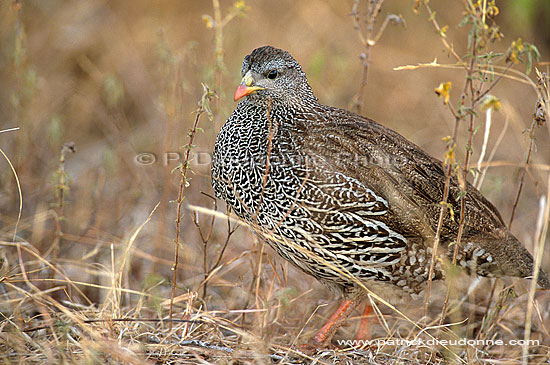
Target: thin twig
184,167
543,220
61,188
523,171
230,232
489,161
272,130
19,191
442,37
218,42
540,239
205,239
368,42
488,122
463,180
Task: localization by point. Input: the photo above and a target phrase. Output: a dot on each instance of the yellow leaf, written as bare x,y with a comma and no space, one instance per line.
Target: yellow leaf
444,90
208,21
514,52
239,5
519,45
443,30
491,101
513,56
450,155
450,207
416,5
492,9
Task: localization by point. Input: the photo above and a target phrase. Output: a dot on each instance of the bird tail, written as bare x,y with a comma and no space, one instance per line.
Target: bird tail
504,256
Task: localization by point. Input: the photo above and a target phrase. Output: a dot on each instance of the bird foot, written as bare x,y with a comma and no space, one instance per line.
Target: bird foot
312,347
364,333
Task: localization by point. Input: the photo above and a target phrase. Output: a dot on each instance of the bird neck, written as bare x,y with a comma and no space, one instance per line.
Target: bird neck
284,109
264,112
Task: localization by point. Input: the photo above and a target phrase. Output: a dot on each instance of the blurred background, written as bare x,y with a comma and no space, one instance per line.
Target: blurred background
122,81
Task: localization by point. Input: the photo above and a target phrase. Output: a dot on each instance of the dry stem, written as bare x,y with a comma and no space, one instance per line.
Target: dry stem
184,167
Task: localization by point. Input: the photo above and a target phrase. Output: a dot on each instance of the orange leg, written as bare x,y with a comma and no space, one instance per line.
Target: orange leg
324,336
363,333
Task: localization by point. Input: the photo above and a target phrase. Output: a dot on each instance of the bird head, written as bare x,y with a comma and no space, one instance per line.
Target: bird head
269,72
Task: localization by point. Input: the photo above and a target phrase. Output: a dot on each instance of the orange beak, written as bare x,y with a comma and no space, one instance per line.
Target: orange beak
243,90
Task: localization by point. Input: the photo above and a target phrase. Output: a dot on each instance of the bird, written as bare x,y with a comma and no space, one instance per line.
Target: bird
346,199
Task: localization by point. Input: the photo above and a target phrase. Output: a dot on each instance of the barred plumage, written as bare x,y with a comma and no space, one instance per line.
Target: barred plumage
345,199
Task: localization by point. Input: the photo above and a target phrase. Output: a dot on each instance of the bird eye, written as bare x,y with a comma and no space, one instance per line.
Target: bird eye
272,74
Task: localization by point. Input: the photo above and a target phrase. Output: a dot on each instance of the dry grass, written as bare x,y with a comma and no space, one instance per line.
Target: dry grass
87,265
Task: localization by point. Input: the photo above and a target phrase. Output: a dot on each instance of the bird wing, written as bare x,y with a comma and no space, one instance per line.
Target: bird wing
412,183
396,170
